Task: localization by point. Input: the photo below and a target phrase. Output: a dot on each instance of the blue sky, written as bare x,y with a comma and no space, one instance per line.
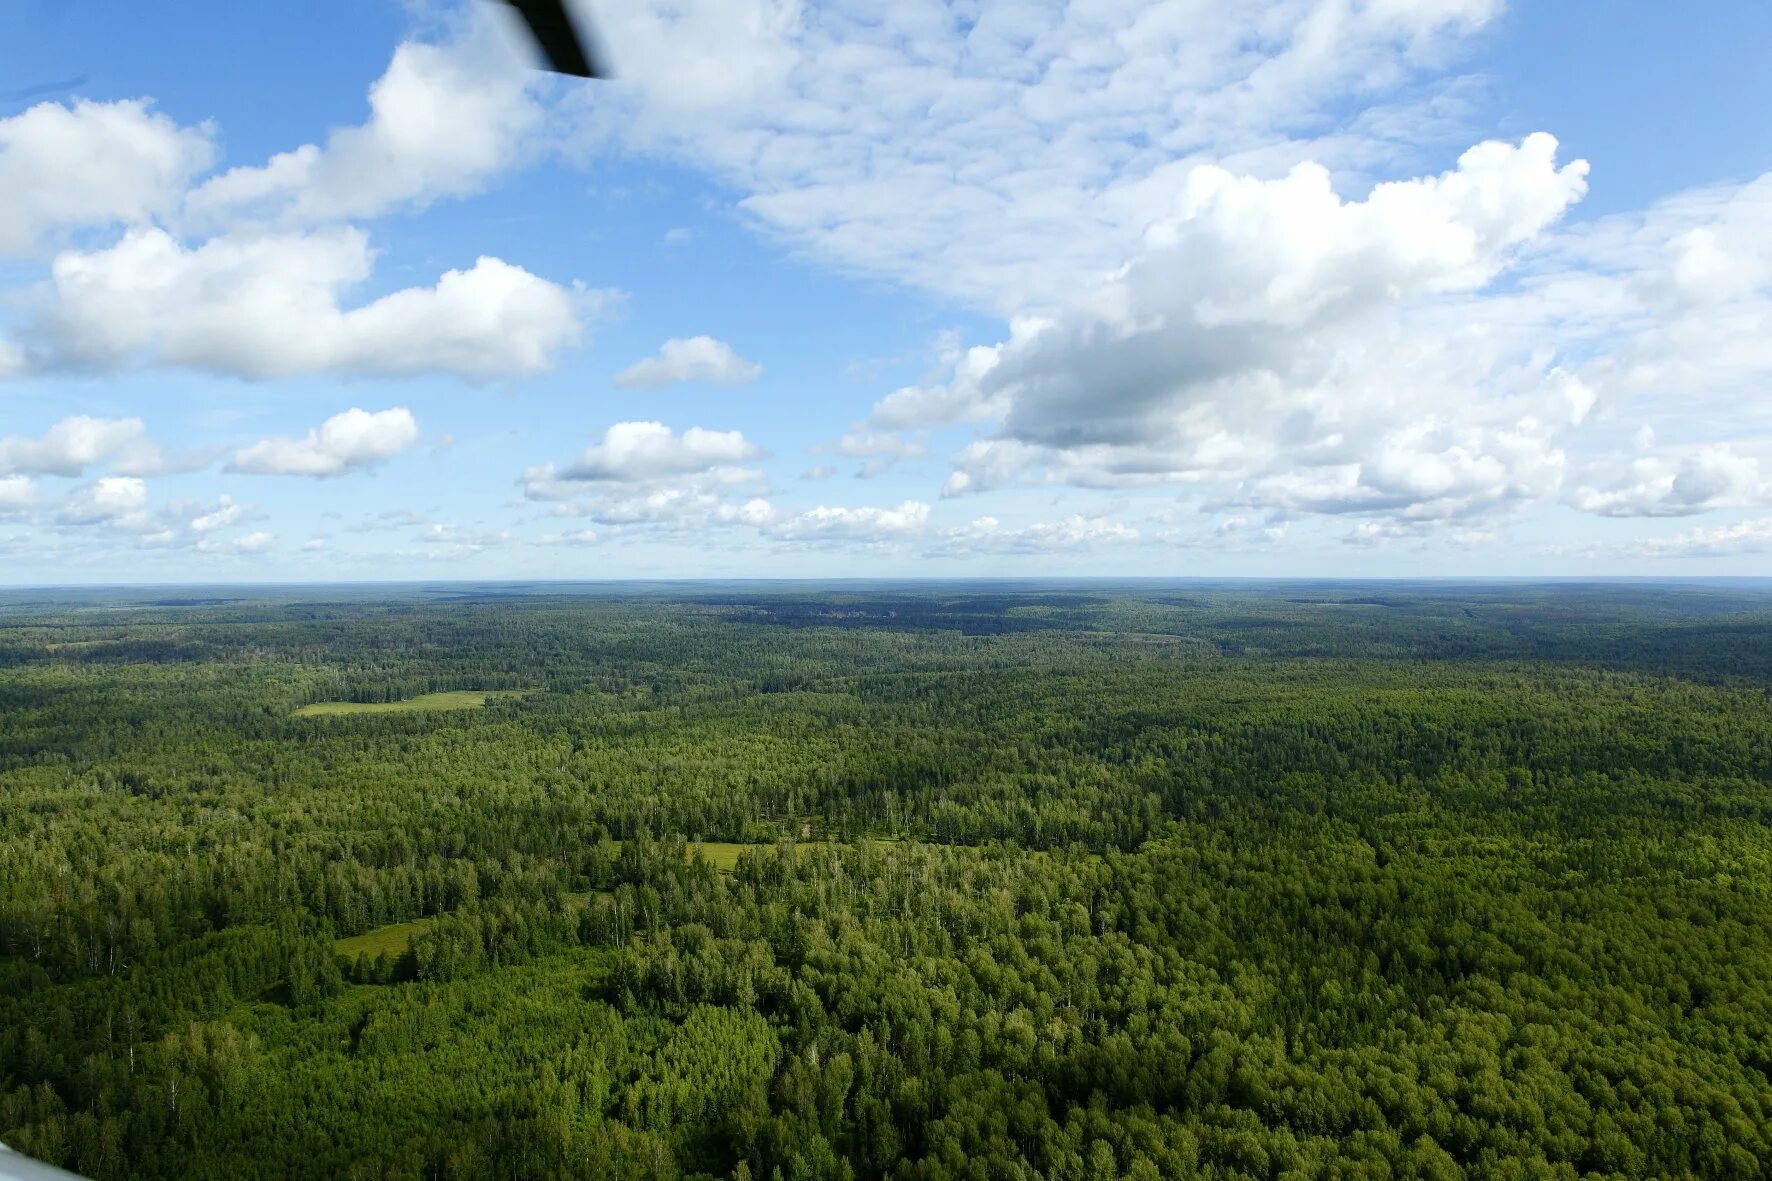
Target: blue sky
348,291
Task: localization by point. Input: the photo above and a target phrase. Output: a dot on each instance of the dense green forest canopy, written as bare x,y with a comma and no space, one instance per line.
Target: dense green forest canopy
1068,880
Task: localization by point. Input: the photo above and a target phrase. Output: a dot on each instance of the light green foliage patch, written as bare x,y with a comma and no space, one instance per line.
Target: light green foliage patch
391,940
453,699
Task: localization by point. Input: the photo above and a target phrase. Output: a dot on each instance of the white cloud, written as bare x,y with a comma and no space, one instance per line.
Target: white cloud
866,444
697,358
1372,533
960,398
1189,306
987,535
1709,478
670,501
314,545
572,537
1268,529
17,494
643,475
1267,345
1000,154
261,306
91,164
1295,349
1743,537
267,297
1672,309
355,440
117,508
114,501
1243,278
866,524
881,449
463,540
227,512
678,507
640,451
443,120
250,543
74,444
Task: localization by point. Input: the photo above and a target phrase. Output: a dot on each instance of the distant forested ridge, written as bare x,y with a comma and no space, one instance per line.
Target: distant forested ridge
992,880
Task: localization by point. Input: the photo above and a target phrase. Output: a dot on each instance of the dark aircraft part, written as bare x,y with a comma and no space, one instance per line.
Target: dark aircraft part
551,26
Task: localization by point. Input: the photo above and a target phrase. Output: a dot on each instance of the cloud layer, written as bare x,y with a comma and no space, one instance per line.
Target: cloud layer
1255,287
1000,156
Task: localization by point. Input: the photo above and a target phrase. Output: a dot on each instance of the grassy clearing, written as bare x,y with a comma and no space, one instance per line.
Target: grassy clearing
454,699
723,855
393,939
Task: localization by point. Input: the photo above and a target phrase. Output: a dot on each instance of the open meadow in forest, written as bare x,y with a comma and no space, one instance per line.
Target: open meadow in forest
992,879
454,699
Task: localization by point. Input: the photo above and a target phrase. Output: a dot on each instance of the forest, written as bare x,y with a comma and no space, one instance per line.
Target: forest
1070,880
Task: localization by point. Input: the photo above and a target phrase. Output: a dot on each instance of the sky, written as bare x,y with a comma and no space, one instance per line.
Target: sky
1332,288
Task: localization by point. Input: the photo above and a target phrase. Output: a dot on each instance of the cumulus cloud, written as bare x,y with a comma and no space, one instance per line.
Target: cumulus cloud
1242,279
645,475
1709,478
114,501
266,295
638,451
114,511
355,440
91,164
226,512
961,398
74,444
261,306
443,120
1296,349
697,358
